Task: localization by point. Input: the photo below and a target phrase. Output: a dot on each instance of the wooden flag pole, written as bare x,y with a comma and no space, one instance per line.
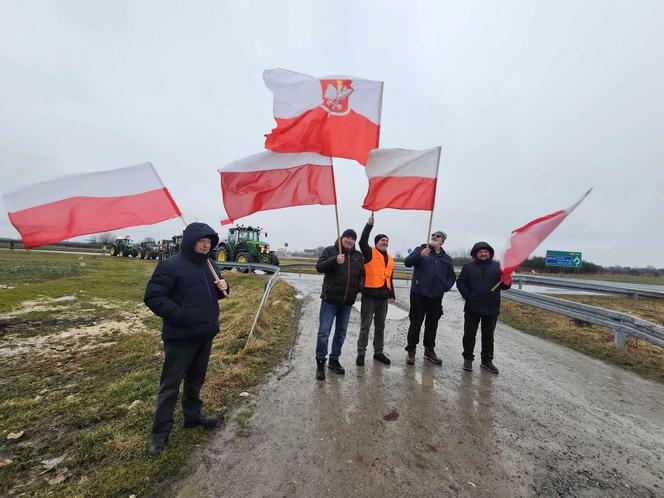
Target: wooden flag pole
336,210
426,243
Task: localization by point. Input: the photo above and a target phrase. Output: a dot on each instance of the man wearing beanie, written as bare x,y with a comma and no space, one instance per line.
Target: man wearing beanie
378,291
432,277
475,282
344,278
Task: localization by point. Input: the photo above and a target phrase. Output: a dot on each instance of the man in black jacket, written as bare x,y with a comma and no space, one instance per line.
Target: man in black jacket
432,277
378,291
475,282
183,292
344,277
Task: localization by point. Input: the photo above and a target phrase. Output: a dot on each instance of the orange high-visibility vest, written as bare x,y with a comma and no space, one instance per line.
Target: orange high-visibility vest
377,273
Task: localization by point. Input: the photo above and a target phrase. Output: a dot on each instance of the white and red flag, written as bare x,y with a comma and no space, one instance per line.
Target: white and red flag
524,240
74,205
402,179
332,116
270,180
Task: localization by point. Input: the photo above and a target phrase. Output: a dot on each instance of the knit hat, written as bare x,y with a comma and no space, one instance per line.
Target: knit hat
349,232
441,233
380,236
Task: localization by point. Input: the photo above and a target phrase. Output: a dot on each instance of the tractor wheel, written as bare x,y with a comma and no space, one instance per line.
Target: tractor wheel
221,254
244,257
140,254
274,259
124,252
114,251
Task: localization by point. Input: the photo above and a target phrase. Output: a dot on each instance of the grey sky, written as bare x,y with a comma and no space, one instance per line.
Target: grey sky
532,102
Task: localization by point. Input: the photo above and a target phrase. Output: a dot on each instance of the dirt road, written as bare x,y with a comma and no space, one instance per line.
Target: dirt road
553,423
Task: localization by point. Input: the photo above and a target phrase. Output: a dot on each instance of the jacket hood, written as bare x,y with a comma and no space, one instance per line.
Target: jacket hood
478,246
192,234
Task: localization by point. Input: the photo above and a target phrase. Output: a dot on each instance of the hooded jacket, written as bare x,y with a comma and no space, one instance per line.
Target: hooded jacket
183,293
433,275
341,282
476,280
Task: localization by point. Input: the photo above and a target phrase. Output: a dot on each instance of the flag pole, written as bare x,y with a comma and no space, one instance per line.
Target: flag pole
426,242
336,210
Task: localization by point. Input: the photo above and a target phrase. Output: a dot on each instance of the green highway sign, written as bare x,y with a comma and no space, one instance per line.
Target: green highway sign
566,259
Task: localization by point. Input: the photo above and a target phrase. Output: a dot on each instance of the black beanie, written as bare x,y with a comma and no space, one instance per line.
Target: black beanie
380,236
349,232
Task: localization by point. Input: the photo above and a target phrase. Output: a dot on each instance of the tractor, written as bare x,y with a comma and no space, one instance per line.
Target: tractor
169,247
243,245
123,246
147,250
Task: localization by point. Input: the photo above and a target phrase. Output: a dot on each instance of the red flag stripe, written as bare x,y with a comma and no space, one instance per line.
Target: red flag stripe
400,192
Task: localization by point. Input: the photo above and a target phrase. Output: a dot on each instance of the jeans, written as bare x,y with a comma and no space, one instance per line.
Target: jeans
427,310
470,323
372,310
186,362
329,313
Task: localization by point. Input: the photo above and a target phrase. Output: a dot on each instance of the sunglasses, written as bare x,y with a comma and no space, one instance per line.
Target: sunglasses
435,236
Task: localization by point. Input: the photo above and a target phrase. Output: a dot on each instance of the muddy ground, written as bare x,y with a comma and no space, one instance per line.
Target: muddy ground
553,423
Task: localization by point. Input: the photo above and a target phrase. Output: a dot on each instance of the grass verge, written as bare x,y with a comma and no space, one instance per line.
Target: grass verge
80,359
638,356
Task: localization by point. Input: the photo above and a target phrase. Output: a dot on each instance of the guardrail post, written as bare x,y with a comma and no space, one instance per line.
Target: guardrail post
520,284
619,339
636,295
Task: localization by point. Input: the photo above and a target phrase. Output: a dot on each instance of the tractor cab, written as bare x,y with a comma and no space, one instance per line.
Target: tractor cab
244,245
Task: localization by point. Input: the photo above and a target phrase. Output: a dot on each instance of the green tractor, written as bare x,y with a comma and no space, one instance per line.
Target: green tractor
123,246
244,246
147,250
169,247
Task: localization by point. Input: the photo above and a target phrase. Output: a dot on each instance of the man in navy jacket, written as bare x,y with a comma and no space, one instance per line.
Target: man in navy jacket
183,292
432,277
475,282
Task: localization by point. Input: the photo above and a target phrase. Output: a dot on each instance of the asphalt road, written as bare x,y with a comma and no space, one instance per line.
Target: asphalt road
553,423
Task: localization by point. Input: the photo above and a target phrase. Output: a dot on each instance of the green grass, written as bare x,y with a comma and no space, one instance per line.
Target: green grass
89,394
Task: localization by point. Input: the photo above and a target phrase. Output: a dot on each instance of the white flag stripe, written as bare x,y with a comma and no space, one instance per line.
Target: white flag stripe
268,160
110,183
403,162
295,93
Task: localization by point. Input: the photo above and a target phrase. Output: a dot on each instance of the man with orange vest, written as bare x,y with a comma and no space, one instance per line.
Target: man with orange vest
378,291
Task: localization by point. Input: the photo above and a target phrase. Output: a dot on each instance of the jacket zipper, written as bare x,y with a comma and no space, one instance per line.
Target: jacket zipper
347,281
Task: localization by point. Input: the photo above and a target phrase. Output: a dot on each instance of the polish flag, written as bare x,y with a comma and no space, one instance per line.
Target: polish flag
524,240
332,116
270,180
75,205
402,179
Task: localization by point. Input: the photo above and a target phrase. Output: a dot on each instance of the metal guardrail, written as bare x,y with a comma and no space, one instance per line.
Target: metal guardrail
621,324
635,290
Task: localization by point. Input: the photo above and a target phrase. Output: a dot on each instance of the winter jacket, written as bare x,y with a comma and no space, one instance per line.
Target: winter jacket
433,275
341,282
476,280
183,293
383,292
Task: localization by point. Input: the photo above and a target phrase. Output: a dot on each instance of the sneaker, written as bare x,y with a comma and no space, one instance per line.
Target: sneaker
207,421
320,369
359,361
382,358
488,365
336,367
430,355
158,444
468,365
410,358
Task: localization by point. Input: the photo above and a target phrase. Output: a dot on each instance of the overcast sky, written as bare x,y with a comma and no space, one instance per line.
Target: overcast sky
532,102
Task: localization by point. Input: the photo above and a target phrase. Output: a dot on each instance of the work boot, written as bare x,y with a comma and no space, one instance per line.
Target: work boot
382,358
410,358
320,369
468,365
207,421
157,444
488,365
336,367
359,361
430,355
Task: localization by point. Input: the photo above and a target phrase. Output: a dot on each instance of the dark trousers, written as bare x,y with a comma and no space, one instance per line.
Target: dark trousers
372,310
470,325
427,310
182,361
